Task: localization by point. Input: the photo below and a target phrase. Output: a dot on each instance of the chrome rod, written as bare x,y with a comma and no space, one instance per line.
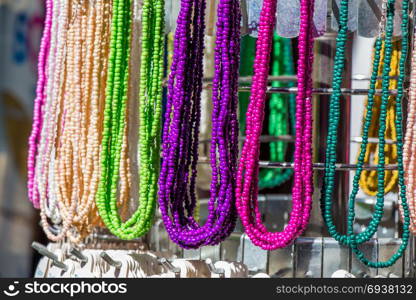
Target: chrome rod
263,139
359,139
316,166
315,91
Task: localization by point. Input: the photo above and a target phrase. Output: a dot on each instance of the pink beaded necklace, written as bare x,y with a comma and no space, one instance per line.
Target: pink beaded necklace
247,175
38,104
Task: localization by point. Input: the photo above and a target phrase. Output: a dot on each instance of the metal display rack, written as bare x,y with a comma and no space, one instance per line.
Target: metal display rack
315,254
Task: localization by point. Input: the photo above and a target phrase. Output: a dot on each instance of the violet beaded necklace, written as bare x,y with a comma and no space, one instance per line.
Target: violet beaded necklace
248,171
177,198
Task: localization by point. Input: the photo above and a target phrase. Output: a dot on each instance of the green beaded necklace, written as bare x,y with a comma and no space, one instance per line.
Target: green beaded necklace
150,99
281,107
353,240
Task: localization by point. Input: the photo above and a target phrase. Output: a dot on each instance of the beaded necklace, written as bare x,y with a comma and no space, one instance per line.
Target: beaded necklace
409,149
368,180
78,151
39,102
281,115
112,159
281,107
248,51
177,197
45,158
353,240
247,175
70,137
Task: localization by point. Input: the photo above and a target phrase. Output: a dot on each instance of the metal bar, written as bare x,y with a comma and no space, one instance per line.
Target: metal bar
315,91
249,79
113,239
263,139
359,139
284,78
316,166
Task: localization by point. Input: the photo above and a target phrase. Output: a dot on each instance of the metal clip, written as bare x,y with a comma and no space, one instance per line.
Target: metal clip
213,269
107,258
78,254
42,250
163,261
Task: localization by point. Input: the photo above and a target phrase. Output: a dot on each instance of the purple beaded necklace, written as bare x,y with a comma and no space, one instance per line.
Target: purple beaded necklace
177,198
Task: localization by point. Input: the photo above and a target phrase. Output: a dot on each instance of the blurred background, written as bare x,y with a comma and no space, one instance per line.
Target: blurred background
21,23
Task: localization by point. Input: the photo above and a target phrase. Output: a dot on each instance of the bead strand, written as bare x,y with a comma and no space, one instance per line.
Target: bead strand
44,53
150,99
354,240
368,180
409,148
177,180
247,175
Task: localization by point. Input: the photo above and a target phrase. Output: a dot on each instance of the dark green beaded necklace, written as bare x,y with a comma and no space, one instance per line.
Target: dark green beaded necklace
354,240
281,107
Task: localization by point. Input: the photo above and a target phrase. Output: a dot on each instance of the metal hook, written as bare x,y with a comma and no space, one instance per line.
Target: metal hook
363,274
42,250
177,271
281,273
309,274
392,275
213,269
78,254
107,258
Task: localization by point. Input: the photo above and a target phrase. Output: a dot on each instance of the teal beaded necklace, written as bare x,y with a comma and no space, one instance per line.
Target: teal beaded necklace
149,116
354,240
281,107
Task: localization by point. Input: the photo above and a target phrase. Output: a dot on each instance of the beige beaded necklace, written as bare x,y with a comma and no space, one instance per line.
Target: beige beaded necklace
79,119
45,180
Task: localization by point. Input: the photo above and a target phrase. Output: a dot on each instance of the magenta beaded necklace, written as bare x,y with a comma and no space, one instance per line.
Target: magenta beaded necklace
247,175
177,198
38,105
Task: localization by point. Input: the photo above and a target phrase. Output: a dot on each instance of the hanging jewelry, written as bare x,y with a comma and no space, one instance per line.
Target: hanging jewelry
44,176
368,180
409,149
282,110
247,175
177,198
353,240
151,74
39,103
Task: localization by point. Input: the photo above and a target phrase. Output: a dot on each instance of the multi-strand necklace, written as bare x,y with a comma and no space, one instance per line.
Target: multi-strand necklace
45,158
115,111
79,149
73,121
62,201
409,149
177,197
386,36
247,175
39,103
368,180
